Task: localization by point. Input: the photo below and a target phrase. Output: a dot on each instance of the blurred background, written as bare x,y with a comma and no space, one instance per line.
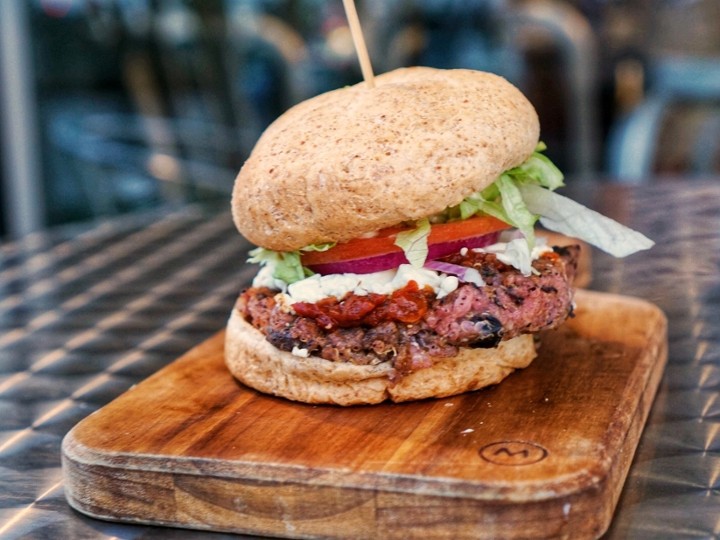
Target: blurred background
116,106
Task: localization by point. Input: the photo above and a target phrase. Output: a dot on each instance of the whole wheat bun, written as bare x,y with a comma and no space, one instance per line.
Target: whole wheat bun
358,159
258,364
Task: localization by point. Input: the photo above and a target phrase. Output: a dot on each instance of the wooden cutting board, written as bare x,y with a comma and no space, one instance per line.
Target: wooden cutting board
544,454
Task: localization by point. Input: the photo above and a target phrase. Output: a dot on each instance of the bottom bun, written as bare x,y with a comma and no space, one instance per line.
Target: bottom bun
258,364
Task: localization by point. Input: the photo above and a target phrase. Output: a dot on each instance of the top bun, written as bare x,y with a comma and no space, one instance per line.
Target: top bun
359,159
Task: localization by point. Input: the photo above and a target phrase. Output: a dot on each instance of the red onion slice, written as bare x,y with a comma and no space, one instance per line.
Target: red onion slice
367,265
464,273
394,259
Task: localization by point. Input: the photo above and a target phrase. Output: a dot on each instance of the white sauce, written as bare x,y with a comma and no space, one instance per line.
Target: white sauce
517,253
316,287
264,278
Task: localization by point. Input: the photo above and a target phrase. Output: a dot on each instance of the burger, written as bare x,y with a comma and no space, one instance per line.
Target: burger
395,227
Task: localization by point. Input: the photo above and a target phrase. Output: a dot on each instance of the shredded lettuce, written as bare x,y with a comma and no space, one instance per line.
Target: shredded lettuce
525,193
568,217
503,199
415,243
538,169
286,265
515,208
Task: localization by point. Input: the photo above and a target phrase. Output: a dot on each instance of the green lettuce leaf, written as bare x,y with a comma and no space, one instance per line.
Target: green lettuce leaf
515,209
571,218
318,247
414,243
538,169
503,199
286,264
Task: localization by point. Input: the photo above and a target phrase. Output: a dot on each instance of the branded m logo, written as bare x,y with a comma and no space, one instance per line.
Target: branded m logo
513,453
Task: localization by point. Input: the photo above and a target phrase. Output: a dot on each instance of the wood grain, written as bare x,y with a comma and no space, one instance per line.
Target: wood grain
544,454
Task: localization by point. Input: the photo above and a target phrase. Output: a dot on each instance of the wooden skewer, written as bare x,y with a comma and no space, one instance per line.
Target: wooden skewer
359,41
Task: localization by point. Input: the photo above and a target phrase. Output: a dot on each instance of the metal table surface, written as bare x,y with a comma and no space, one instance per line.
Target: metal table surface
85,315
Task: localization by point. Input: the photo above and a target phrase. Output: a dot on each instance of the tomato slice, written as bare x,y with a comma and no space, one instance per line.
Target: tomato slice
382,246
468,228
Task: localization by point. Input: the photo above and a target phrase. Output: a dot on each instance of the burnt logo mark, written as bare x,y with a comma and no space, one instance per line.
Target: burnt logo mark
513,453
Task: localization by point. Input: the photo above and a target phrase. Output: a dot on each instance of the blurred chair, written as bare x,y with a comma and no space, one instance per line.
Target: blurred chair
569,31
200,81
638,141
123,162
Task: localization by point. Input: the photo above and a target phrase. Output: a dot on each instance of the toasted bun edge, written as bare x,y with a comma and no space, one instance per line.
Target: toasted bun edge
258,364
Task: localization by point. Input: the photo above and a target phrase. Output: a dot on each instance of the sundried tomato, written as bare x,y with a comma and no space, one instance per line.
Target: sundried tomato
331,313
407,305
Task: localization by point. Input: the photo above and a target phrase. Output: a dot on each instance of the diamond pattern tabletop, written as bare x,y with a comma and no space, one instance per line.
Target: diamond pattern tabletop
86,313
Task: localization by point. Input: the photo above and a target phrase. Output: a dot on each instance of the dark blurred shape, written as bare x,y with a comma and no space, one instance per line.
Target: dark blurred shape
145,103
545,47
161,107
673,128
676,128
124,162
22,199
